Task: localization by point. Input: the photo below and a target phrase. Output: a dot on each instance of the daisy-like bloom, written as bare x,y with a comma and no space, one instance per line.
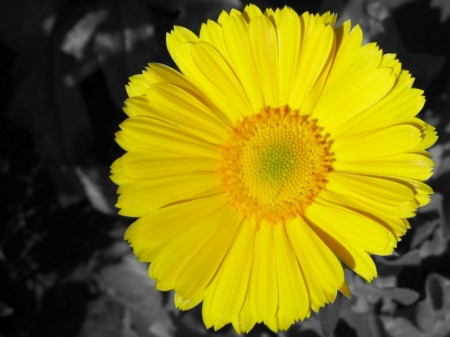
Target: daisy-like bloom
282,151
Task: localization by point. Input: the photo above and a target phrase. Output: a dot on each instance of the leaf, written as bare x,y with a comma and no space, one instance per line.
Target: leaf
403,295
78,38
367,324
379,26
422,232
53,111
125,43
130,285
425,316
105,316
434,247
394,3
98,188
400,327
432,313
412,258
444,6
437,289
194,12
329,316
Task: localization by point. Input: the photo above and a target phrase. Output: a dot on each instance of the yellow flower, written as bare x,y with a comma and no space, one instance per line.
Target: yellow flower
282,150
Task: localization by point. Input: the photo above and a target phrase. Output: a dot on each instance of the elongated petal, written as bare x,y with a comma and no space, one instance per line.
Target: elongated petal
217,100
201,268
179,251
235,32
293,293
216,69
387,142
141,133
313,57
360,231
263,287
288,31
379,189
160,226
264,50
139,199
176,106
410,165
229,293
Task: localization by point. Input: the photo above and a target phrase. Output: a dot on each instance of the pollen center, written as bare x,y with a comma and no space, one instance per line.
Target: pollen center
274,164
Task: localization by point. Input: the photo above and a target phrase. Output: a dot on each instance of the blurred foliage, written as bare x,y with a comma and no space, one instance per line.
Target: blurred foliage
64,268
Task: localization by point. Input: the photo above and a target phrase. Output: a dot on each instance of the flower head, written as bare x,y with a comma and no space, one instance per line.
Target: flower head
283,150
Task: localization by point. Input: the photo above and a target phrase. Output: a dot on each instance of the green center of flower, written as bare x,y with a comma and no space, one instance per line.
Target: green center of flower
274,164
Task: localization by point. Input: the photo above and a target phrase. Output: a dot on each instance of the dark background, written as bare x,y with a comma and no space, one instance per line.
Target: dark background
64,268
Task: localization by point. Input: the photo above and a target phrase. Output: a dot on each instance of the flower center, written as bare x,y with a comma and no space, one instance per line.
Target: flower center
274,164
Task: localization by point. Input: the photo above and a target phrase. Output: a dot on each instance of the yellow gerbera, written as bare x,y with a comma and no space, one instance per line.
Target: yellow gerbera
282,150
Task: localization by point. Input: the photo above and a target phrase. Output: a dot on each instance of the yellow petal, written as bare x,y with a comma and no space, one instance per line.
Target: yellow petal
264,50
218,72
288,34
359,93
198,272
140,199
318,287
342,34
156,136
235,31
351,227
230,290
178,252
409,165
175,106
162,225
379,189
355,258
389,141
156,73
279,323
348,44
223,16
217,100
244,322
145,165
136,106
212,33
186,304
177,37
137,86
328,19
316,259
428,140
386,215
313,56
293,294
263,287
389,61
314,95
251,12
342,139
402,100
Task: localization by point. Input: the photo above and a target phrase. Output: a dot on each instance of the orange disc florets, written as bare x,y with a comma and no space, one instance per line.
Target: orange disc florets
274,164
